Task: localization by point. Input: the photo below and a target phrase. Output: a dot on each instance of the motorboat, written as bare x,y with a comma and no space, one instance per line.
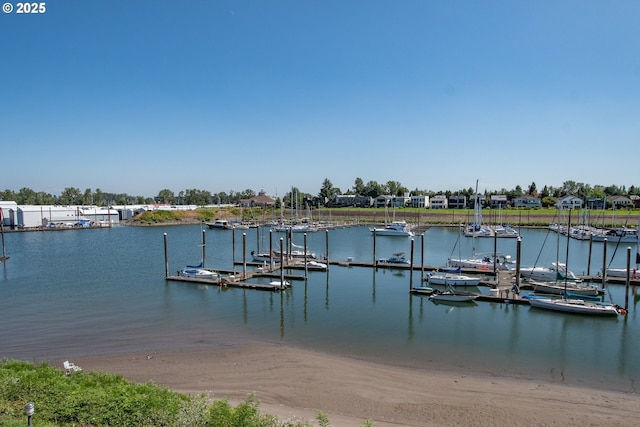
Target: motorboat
394,228
220,224
557,271
482,262
397,258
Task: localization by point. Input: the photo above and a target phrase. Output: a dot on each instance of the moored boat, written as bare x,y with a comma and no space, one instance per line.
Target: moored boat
198,272
576,306
452,279
562,288
452,295
396,258
394,228
557,271
219,224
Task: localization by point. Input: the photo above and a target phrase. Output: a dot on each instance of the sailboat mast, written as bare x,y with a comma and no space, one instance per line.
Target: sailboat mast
566,273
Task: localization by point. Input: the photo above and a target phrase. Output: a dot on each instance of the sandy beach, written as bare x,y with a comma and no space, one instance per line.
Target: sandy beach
296,384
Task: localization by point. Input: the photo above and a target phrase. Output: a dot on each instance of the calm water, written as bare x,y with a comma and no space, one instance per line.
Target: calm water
84,292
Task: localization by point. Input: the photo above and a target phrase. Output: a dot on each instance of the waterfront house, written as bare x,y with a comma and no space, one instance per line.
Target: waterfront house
527,202
439,201
594,203
350,200
382,201
420,202
619,202
261,200
569,202
459,201
498,201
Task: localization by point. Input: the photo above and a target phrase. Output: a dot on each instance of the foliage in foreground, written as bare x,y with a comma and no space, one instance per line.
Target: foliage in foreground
100,399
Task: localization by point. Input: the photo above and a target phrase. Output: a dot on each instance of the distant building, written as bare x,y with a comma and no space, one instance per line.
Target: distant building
498,201
458,201
569,202
350,200
261,200
481,198
420,202
594,203
439,201
382,201
400,201
619,202
527,202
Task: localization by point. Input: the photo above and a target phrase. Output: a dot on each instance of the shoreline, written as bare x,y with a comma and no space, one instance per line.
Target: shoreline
297,384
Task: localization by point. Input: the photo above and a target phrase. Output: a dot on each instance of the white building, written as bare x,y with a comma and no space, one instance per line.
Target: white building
439,201
569,202
420,202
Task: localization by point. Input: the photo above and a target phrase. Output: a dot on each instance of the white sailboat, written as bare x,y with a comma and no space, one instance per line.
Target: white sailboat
477,228
452,295
573,305
451,279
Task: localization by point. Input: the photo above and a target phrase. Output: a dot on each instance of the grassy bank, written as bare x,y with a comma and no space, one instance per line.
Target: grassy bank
414,216
101,399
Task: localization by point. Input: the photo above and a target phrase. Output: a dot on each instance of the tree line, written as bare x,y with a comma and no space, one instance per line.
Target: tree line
294,197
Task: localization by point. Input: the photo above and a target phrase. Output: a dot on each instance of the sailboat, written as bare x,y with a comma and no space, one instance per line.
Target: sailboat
622,272
573,305
479,261
477,228
452,295
198,271
393,228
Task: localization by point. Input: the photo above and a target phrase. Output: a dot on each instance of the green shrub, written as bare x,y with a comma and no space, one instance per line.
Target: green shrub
101,399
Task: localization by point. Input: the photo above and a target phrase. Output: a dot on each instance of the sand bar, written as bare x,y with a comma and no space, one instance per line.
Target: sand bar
296,384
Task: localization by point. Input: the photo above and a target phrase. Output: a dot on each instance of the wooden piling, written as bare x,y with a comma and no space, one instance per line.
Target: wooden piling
628,282
518,255
604,263
166,257
411,266
281,264
306,270
590,250
244,254
204,245
374,246
326,246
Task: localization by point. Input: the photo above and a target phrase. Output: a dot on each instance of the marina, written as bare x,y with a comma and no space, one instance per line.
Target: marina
115,293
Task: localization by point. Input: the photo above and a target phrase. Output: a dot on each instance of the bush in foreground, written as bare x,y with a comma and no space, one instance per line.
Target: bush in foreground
100,399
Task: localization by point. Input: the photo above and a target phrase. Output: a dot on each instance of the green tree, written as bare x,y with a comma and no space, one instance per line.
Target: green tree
166,197
70,196
26,196
87,197
328,190
359,187
373,189
98,197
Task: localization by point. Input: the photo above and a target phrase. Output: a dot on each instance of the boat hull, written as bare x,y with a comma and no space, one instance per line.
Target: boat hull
559,288
452,279
575,306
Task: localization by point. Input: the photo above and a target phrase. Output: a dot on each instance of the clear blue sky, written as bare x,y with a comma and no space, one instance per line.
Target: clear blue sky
137,96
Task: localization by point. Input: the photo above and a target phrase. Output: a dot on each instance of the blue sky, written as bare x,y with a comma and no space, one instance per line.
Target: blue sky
137,96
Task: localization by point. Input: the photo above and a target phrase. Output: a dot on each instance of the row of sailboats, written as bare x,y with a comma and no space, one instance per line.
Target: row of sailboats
569,304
